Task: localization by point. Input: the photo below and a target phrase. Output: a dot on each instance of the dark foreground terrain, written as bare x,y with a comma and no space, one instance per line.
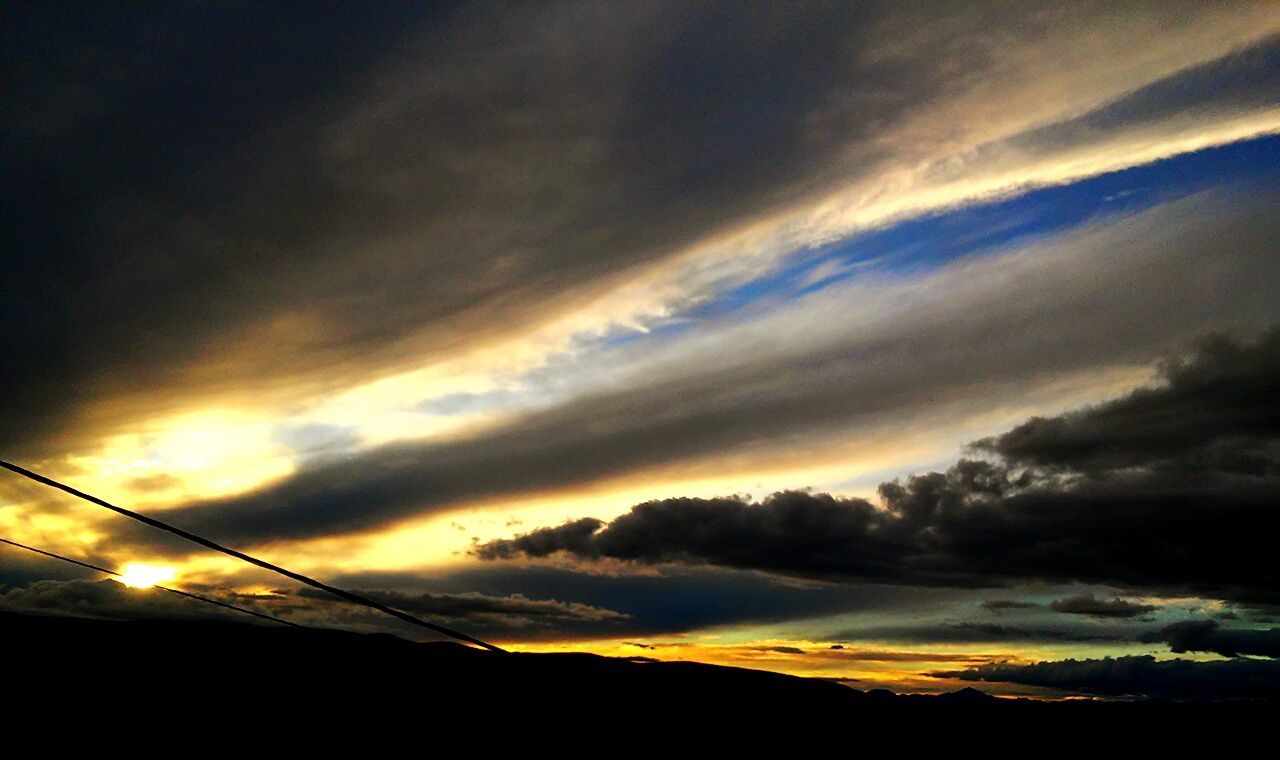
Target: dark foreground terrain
314,689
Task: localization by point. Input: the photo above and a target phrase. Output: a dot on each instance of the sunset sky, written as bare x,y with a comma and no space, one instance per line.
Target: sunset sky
915,345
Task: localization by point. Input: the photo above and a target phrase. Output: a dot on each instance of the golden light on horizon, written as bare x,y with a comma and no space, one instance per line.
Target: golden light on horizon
142,575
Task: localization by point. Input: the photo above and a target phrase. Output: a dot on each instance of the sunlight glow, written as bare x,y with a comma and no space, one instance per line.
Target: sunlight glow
141,575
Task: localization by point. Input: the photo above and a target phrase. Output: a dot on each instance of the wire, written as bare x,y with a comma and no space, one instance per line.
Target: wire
187,594
340,593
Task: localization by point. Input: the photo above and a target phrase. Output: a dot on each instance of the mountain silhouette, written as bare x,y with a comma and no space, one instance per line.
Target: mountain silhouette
257,681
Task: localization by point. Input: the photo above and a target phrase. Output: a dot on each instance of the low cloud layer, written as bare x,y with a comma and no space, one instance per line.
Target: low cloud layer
671,601
1210,636
106,599
1000,605
969,632
1178,491
512,611
1088,604
484,613
1142,676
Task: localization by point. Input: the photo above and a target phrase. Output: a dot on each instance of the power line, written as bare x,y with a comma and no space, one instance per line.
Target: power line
340,593
187,594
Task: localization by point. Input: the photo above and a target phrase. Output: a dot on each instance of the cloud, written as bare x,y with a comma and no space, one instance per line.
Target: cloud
1212,413
106,598
900,353
510,611
478,612
999,605
269,231
1088,604
157,482
318,439
1209,636
779,649
671,600
876,655
1139,676
1174,510
967,632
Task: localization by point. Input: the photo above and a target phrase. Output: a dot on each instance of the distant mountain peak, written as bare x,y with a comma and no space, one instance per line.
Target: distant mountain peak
968,694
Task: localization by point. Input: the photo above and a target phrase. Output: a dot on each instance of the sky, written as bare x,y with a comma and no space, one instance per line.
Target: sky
909,345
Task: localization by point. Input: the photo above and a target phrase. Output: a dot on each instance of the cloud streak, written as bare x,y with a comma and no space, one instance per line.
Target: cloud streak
452,172
1197,499
509,614
900,352
1088,604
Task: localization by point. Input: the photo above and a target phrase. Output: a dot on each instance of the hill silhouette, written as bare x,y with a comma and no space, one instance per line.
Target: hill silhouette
254,679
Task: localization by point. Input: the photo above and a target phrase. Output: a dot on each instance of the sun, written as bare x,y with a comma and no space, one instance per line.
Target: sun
141,575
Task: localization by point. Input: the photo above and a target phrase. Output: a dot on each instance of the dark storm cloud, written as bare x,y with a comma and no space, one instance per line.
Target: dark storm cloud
242,200
1088,604
1139,676
120,124
1071,306
1180,511
1215,413
241,195
1210,636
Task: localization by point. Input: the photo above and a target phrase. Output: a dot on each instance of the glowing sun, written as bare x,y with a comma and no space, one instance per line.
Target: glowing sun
140,575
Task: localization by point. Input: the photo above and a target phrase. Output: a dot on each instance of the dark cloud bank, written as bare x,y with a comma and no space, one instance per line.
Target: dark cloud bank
511,614
1173,487
1088,604
1140,676
1210,636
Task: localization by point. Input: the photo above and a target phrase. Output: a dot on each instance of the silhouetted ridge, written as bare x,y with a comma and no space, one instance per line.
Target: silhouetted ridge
184,670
